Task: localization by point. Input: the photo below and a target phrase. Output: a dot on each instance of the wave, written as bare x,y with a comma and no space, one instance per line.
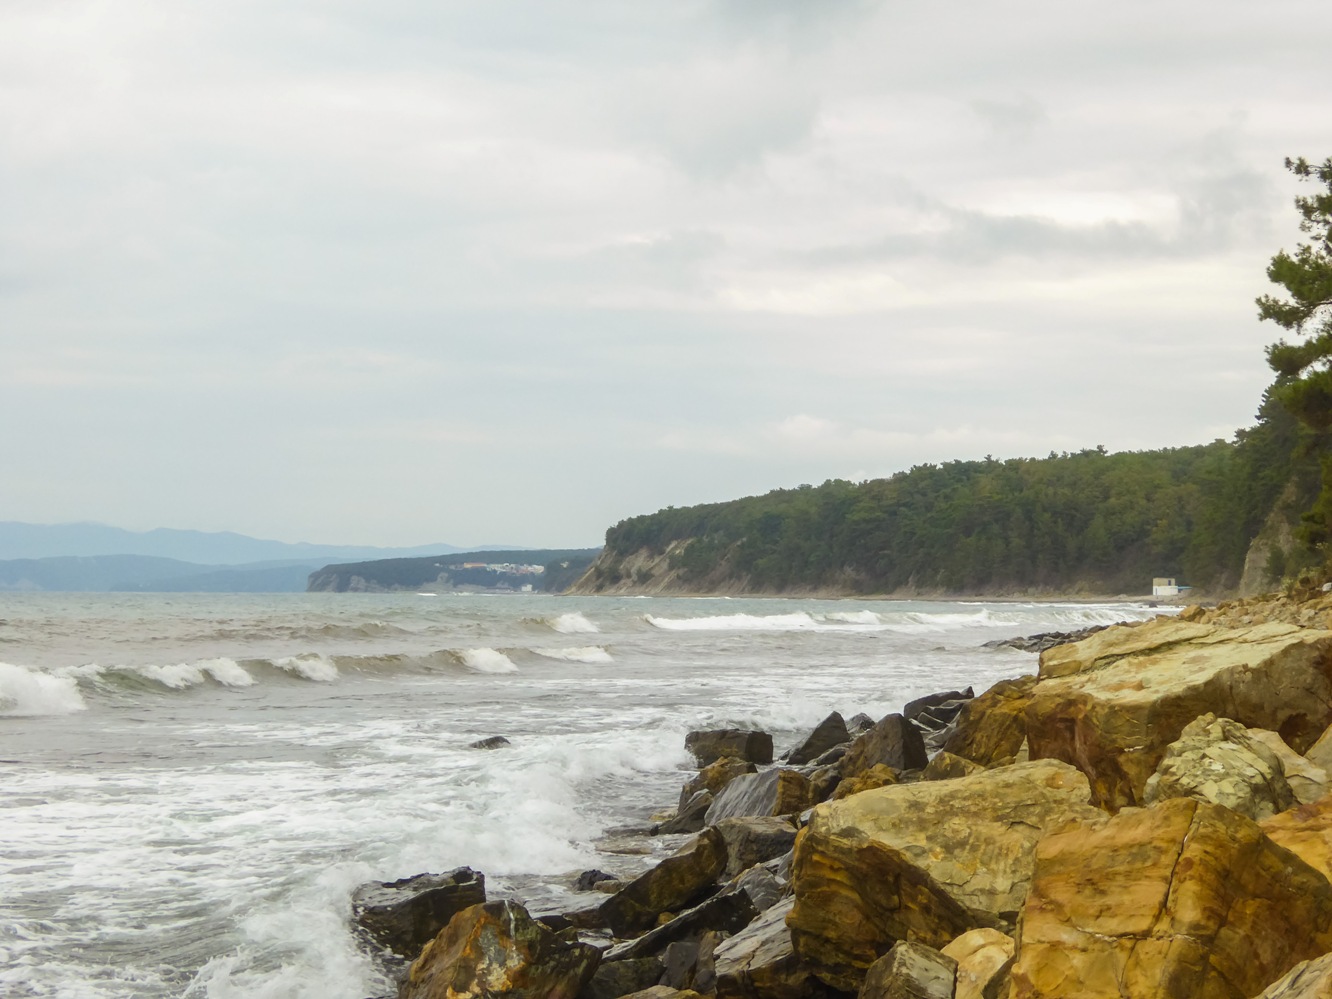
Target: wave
799,621
585,654
25,692
573,623
486,661
310,667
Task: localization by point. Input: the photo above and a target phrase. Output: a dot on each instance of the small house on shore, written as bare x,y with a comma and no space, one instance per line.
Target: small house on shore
1165,586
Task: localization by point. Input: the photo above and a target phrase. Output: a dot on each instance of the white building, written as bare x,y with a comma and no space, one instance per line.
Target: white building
1165,586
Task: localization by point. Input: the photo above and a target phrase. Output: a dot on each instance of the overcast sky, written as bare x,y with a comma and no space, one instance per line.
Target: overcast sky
413,271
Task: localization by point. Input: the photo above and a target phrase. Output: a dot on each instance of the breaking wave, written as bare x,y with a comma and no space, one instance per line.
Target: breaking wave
573,623
486,661
27,692
585,654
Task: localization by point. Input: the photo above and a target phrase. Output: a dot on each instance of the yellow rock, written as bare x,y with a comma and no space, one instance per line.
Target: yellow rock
984,958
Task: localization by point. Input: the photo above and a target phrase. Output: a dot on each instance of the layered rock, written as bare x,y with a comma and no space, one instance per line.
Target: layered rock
1113,702
993,726
828,733
984,959
773,792
680,879
751,840
711,745
1307,980
1308,781
1305,831
715,776
760,963
403,916
1185,899
497,949
892,741
924,862
910,971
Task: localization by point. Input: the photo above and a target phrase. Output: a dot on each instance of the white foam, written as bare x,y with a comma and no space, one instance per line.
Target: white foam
799,621
487,661
584,654
854,617
26,692
179,676
573,623
310,667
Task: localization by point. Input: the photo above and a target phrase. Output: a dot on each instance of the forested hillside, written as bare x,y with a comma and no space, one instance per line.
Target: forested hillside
1091,520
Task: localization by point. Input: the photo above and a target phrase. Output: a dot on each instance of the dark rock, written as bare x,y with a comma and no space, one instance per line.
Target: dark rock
914,708
680,960
764,888
833,755
403,916
910,971
892,741
773,792
1044,640
859,724
705,974
829,733
679,880
590,879
714,777
664,992
690,818
752,839
760,963
727,912
711,745
494,742
823,782
613,979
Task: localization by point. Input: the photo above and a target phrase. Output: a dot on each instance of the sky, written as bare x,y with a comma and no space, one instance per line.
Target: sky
510,271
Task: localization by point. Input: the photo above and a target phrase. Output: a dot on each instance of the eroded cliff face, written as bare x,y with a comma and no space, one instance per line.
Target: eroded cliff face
1269,549
654,573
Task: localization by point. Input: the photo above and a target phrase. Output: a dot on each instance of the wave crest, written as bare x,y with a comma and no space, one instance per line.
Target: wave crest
486,661
25,692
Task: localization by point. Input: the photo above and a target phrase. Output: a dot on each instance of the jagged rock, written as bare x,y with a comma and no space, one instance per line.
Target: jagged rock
832,756
1320,753
691,817
588,880
1112,703
946,766
1045,639
764,888
984,960
714,777
752,839
679,880
493,742
992,726
910,971
773,792
759,962
727,912
681,962
913,709
404,915
829,733
893,741
823,782
924,862
859,724
705,972
613,979
711,745
1214,759
497,949
1185,899
1307,980
1305,831
664,992
1308,781
879,775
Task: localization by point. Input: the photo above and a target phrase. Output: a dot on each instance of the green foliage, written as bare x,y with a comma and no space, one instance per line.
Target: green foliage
1103,521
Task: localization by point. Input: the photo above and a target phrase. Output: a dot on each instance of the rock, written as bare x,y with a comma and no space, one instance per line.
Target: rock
494,742
1044,640
1307,980
1320,753
910,971
714,777
691,817
664,992
1308,781
914,709
711,745
1214,759
879,775
752,839
1112,703
829,733
993,725
859,724
924,862
823,782
681,961
946,766
984,959
763,887
1186,899
727,912
497,949
613,979
759,962
679,880
705,974
403,916
773,792
893,741
588,880
1305,831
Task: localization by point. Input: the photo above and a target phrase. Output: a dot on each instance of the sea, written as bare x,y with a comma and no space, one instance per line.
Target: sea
192,785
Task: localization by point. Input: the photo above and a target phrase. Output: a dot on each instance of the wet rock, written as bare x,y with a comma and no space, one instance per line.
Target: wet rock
1214,759
1044,640
892,741
984,961
752,839
760,963
829,733
859,724
588,880
613,979
494,742
714,777
690,818
773,792
497,949
832,756
910,971
711,745
950,701
1307,980
1185,899
992,726
726,912
823,782
678,881
403,916
764,888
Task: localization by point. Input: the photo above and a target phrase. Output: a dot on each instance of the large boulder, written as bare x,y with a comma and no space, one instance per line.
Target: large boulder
1214,759
759,962
691,817
613,979
1307,980
773,792
910,971
710,745
679,880
984,959
828,733
403,916
727,912
497,950
753,839
1305,831
924,862
1186,899
893,741
715,776
1113,702
992,727
1308,781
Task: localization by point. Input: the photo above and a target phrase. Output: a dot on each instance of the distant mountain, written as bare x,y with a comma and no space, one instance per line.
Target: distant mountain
143,573
481,570
40,541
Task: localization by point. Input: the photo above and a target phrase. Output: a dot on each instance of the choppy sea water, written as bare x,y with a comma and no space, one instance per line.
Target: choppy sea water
194,784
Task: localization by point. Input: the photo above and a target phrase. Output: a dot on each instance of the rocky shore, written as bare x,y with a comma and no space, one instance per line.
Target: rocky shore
1146,816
